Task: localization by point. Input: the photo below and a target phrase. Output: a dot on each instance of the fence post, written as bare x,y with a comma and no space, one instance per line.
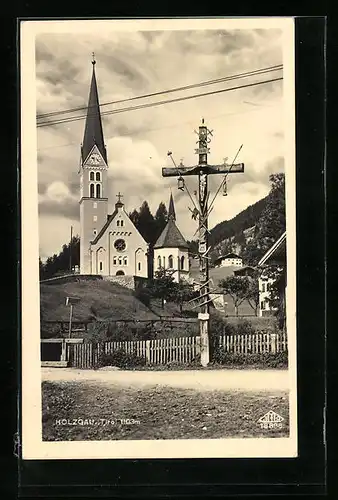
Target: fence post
273,343
148,351
63,350
198,346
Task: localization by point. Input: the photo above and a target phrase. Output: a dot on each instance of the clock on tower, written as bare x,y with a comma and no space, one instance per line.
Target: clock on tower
94,159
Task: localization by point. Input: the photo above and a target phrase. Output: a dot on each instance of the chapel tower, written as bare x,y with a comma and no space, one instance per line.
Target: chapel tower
93,178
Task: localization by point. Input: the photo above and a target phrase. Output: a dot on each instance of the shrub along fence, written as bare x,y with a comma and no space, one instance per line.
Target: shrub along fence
181,350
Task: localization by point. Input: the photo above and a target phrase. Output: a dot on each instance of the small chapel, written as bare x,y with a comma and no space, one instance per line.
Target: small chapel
171,251
110,244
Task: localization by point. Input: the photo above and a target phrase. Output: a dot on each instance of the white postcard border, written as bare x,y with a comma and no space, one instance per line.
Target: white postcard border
32,445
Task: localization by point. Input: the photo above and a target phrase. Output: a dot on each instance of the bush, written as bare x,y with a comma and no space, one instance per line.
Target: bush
244,327
217,327
257,323
266,360
121,359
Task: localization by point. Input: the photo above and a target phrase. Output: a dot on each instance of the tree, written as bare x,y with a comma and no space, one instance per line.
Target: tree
182,293
193,246
162,286
240,240
134,217
251,253
59,263
237,287
41,269
146,223
253,292
161,218
272,221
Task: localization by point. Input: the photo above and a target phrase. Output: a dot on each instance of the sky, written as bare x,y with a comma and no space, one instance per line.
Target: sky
134,63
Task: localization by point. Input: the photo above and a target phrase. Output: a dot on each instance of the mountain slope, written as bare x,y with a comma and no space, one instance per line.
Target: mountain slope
242,221
233,235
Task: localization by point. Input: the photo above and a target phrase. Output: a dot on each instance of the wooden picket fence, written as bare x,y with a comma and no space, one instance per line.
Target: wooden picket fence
256,343
180,350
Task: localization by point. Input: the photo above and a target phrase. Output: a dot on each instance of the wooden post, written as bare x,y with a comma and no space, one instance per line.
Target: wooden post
63,350
273,343
202,170
148,351
70,320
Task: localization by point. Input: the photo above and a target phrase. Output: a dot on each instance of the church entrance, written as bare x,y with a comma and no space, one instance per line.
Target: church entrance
120,273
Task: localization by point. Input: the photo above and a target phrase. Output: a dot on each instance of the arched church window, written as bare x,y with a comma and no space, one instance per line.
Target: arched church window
125,261
139,266
91,191
98,176
91,176
159,261
120,273
115,261
98,191
170,262
120,261
182,262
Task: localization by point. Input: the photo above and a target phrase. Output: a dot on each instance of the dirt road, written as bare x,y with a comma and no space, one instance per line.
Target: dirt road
246,380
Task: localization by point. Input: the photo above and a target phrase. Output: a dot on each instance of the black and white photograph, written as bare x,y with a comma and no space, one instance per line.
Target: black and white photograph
158,238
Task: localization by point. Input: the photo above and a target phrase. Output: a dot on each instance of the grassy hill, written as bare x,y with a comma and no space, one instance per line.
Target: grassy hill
101,299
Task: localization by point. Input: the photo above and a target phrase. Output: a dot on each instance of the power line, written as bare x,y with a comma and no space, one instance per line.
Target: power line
168,101
175,125
175,89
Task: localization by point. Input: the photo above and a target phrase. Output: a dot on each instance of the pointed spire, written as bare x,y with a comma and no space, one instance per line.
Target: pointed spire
93,134
171,211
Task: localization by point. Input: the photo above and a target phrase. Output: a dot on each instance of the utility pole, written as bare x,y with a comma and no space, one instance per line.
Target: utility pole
203,170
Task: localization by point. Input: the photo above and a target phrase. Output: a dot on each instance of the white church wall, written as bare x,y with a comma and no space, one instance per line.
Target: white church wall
164,257
125,249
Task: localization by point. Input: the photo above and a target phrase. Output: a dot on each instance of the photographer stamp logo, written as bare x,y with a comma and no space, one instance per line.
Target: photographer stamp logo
271,420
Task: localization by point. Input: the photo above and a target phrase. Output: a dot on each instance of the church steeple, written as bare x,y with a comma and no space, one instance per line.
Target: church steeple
93,134
171,211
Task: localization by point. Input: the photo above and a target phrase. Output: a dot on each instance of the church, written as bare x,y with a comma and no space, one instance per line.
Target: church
110,244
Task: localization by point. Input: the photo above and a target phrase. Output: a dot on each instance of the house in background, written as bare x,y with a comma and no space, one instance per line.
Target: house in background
245,271
275,256
230,259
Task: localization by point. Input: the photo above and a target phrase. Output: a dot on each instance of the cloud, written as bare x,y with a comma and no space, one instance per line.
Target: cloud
57,200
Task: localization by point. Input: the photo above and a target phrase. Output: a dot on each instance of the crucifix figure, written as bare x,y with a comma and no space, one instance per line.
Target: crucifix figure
93,58
202,170
119,196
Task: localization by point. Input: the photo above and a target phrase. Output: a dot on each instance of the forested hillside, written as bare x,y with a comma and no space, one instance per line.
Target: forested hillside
255,229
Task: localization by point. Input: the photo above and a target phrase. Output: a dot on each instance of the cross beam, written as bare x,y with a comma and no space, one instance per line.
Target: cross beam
207,169
202,171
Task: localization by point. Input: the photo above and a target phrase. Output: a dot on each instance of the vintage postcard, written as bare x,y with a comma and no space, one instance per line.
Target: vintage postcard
158,238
